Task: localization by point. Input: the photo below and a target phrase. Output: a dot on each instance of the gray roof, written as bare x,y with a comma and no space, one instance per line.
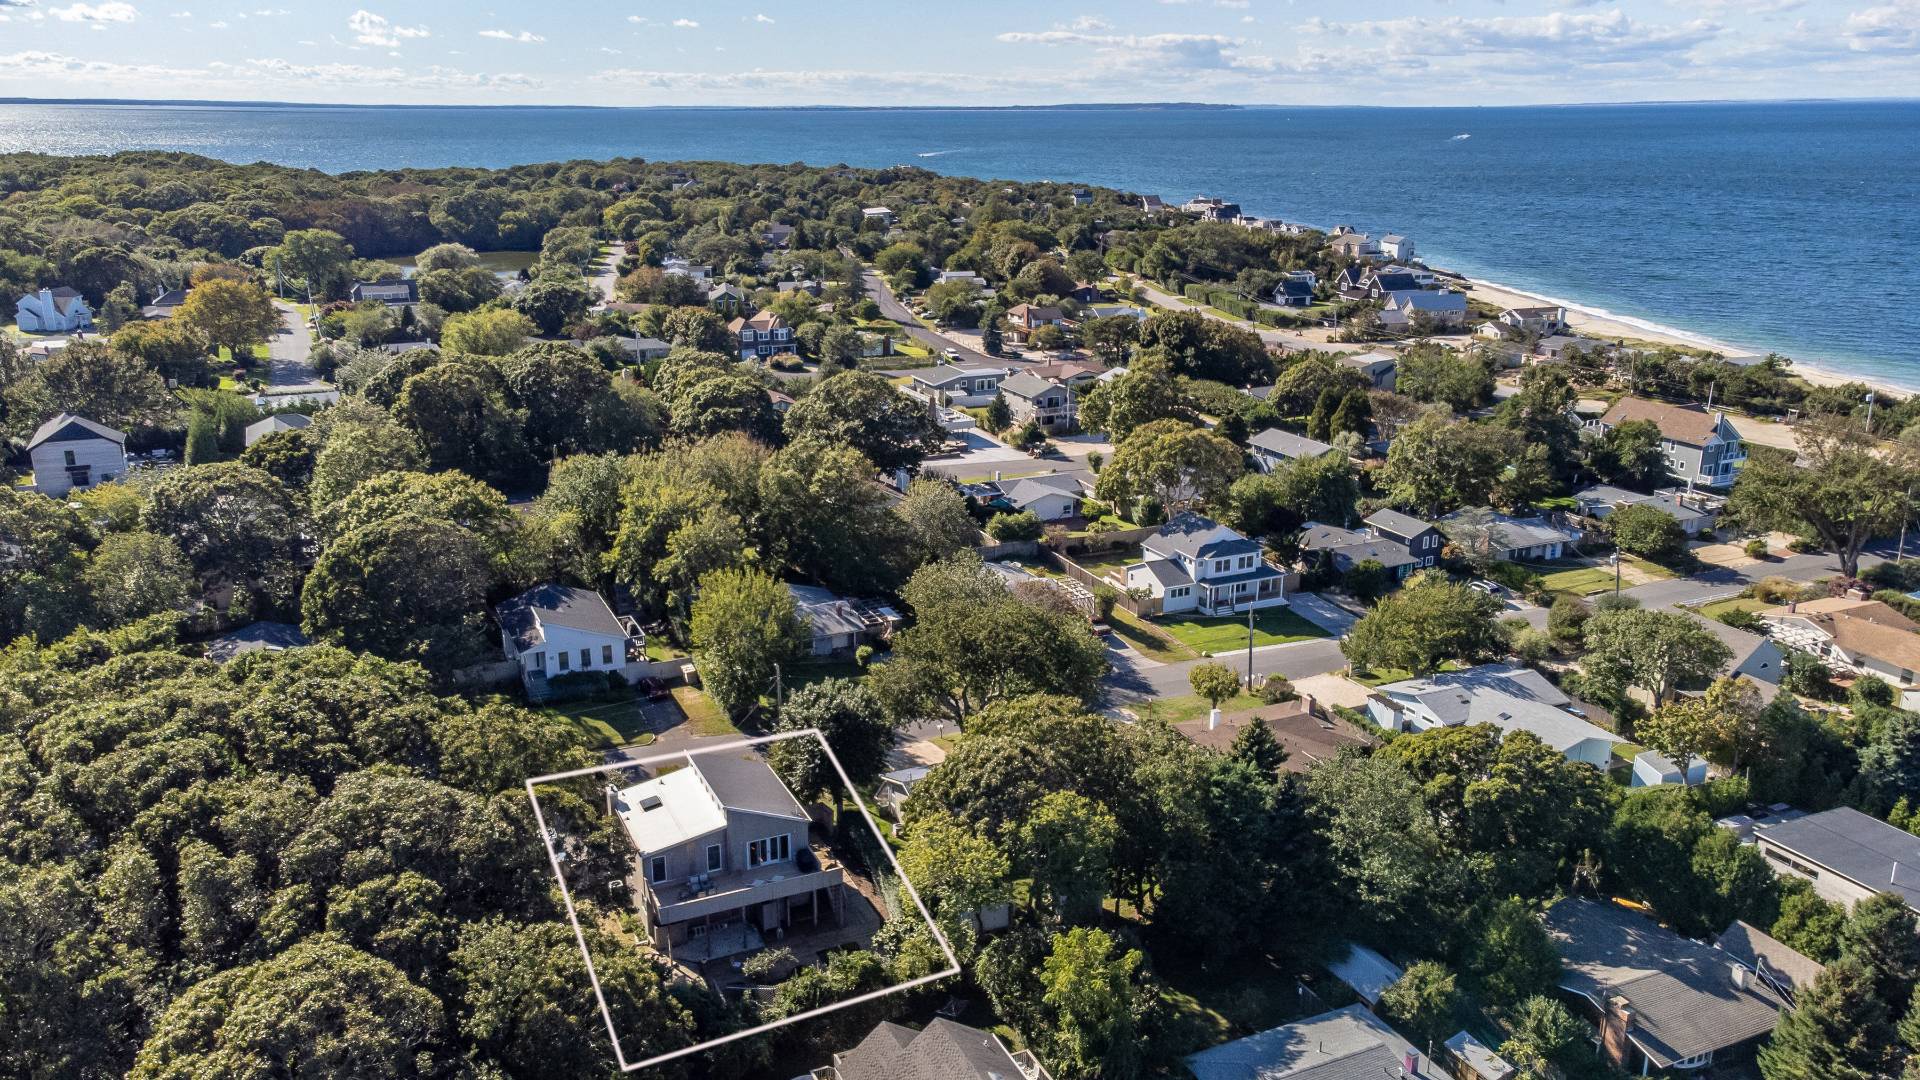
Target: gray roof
70,428
1345,1044
824,612
1028,490
1745,643
742,780
1026,385
557,605
1514,532
1200,537
1762,952
944,1050
1427,300
1288,445
1683,995
644,344
1165,571
404,291
262,636
1367,361
943,374
1857,847
1509,698
260,429
1318,537
1395,523
1600,500
1388,553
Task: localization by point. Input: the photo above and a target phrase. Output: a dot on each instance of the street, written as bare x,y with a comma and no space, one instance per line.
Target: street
290,350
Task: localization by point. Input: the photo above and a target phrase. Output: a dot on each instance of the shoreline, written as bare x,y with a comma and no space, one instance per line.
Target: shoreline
1600,323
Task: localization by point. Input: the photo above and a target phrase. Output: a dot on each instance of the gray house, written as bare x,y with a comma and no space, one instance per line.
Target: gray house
943,1050
1043,401
391,293
71,452
1421,540
1702,447
724,858
1273,448
1344,549
1380,368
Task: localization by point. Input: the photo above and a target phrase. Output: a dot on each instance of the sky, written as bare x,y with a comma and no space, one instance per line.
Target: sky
981,52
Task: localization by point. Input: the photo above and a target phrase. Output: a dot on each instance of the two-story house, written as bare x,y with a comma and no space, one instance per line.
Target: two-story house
53,311
1343,549
1044,402
1442,308
877,215
1196,564
1422,541
1701,446
1354,245
1273,448
724,856
554,630
71,452
1024,319
1509,698
963,387
1295,289
765,334
1382,369
1396,247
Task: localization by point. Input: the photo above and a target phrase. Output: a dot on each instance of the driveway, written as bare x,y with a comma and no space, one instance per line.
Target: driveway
605,272
290,350
1322,613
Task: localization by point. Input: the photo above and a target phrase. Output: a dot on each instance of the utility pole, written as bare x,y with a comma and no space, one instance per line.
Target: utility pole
1616,573
1249,647
779,687
1900,552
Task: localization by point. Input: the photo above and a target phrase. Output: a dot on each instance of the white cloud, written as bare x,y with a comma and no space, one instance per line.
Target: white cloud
763,19
111,12
1151,51
433,77
1559,42
525,37
1888,28
371,29
686,24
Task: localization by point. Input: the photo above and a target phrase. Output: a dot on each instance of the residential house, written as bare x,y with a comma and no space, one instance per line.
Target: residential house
1396,247
804,285
53,311
1024,319
781,402
643,349
1506,538
943,1050
838,625
73,453
1211,209
1082,197
1344,549
1345,1044
1754,655
1350,283
393,293
260,429
1365,972
1053,497
1516,323
1086,292
724,857
1354,245
1295,289
1069,373
1153,204
893,788
1443,309
1652,769
259,636
763,335
1422,541
1477,1059
963,387
1701,446
1273,448
1046,403
1382,283
1559,347
726,296
555,630
683,267
1380,368
1659,1000
1306,737
776,234
1847,855
1196,564
1778,964
165,305
877,214
1601,500
1862,636
1510,698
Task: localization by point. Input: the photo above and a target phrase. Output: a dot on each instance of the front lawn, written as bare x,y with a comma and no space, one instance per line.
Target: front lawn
1225,633
603,723
1738,603
1147,639
1178,710
1583,581
704,717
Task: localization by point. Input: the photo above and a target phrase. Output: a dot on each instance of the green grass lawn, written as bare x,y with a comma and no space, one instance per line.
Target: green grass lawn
1179,710
1584,581
1651,569
1148,639
819,669
1116,561
703,716
1738,603
1386,675
603,723
659,648
1211,1003
1271,626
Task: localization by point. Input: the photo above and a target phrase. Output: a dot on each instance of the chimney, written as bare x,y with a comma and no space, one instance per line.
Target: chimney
1213,719
1410,1065
1740,975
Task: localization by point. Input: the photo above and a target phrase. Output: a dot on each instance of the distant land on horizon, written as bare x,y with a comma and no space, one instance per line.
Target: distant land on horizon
217,103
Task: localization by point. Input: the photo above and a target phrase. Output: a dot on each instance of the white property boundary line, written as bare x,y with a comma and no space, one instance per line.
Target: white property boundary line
553,857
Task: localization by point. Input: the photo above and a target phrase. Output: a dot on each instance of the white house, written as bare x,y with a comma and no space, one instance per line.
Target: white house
555,630
1652,769
1396,247
1196,564
278,422
70,452
837,624
1380,368
1863,636
53,311
877,214
1273,448
963,387
1509,698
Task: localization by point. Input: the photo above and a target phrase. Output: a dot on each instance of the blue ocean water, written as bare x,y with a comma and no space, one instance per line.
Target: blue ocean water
1780,226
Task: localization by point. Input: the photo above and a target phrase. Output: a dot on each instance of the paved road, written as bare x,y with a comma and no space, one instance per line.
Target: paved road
290,351
1135,678
1720,581
1269,335
605,272
892,308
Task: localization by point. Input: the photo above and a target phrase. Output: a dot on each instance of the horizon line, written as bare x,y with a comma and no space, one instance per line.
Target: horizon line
267,103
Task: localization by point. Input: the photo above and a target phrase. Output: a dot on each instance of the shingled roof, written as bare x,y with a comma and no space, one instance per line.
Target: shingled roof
944,1050
1688,424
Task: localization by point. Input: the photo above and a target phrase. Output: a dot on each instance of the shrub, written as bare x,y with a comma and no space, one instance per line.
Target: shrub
1756,548
1008,528
1276,689
1741,619
1567,619
1776,590
1104,598
1872,690
863,654
763,965
1532,645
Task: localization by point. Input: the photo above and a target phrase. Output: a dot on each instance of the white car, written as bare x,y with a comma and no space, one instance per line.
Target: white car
951,354
1488,587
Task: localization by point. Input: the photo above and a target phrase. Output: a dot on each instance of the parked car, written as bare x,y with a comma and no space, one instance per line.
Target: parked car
654,689
950,353
1491,588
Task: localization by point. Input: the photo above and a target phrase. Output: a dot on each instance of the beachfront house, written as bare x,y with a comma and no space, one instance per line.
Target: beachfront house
72,453
1353,245
724,858
1396,247
52,311
1440,309
1193,563
1510,698
1701,445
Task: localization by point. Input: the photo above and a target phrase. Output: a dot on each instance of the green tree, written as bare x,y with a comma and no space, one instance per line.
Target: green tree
173,350
845,714
744,623
235,315
999,413
1424,1002
357,443
1546,1040
1437,374
88,379
316,260
1682,730
133,575
491,332
863,410
407,588
1838,1030
1086,983
1429,621
446,257
1512,957
1647,531
1215,682
1122,405
1657,651
938,524
1880,936
956,870
1846,494
1436,463
1631,455
1172,463
1258,746
203,439
552,303
1066,847
226,517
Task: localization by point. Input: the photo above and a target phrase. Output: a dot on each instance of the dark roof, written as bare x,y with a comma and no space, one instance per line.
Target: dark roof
255,637
1397,282
1764,953
557,605
1395,523
70,428
1855,846
1318,537
945,1050
170,298
1388,553
1199,537
1026,385
742,780
1684,995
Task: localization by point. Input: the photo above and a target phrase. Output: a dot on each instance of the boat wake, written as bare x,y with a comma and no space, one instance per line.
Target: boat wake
1460,137
938,153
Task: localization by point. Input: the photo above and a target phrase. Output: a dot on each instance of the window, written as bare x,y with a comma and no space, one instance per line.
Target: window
586,658
714,859
606,654
769,849
657,869
1246,562
540,661
1178,591
562,657
70,459
1221,566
